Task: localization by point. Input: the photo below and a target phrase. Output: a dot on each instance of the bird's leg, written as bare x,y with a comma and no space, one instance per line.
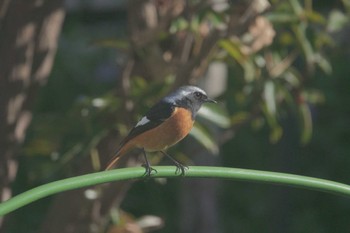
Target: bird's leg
179,167
147,165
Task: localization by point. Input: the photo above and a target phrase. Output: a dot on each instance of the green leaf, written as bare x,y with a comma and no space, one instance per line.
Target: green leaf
284,17
276,130
315,17
296,7
232,49
306,133
215,114
250,71
292,76
336,21
305,44
269,97
315,96
178,25
203,136
323,63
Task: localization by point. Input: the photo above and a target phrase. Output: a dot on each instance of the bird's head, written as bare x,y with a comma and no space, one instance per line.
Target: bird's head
189,97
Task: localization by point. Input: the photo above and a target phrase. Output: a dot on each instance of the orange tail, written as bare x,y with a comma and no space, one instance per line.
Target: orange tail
120,152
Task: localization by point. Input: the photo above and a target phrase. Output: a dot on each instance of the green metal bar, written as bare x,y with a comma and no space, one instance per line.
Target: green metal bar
168,172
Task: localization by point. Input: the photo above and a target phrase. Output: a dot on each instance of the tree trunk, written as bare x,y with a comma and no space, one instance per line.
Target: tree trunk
28,41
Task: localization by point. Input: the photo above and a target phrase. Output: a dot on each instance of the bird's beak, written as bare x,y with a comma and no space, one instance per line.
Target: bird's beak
208,100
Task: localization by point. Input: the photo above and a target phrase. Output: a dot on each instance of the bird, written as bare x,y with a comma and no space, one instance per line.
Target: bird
165,124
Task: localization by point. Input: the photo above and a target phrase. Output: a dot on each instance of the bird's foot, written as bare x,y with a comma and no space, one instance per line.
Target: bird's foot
180,168
148,170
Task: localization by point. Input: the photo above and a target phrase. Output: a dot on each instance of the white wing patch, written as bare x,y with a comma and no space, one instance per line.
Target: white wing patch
143,121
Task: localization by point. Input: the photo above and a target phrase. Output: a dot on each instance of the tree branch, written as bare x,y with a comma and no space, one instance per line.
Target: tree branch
168,172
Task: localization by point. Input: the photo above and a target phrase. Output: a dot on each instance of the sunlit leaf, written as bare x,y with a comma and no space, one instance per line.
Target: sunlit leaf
232,49
215,114
305,44
336,21
306,118
296,7
277,17
269,97
323,63
276,130
203,136
292,77
250,71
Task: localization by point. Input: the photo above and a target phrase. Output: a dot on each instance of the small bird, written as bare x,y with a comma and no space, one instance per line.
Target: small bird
165,124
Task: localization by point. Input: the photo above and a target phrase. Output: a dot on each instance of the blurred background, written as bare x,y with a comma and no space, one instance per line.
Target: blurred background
76,75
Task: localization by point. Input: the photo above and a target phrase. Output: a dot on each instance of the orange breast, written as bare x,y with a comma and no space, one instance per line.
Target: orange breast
168,133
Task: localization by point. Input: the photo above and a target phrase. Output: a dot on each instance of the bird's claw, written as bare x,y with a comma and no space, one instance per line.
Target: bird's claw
149,170
180,169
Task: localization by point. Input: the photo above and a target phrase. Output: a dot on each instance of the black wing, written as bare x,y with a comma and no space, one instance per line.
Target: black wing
156,115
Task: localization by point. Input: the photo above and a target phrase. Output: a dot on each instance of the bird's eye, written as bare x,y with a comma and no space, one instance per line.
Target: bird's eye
198,95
